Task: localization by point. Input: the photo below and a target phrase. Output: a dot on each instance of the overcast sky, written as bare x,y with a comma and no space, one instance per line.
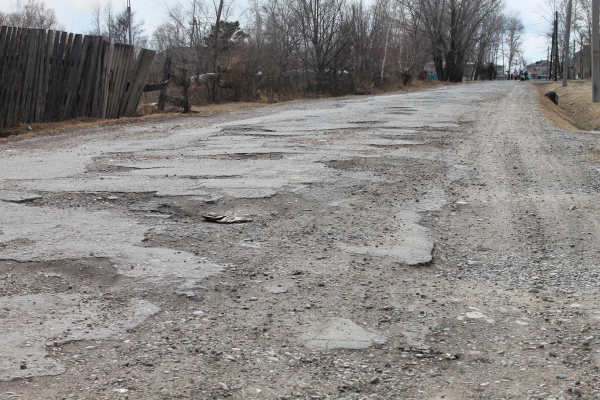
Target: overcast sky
75,16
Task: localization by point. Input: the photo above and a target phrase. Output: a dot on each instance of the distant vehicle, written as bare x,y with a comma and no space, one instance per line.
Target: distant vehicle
543,76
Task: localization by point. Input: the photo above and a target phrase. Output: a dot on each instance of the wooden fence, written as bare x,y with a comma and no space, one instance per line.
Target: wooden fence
52,76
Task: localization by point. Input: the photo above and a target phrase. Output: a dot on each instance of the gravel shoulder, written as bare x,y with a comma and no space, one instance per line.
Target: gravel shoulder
430,245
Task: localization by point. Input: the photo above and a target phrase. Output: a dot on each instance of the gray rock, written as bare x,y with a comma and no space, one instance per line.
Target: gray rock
341,333
276,289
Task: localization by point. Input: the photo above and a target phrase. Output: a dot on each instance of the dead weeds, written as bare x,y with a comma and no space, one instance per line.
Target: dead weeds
575,110
22,131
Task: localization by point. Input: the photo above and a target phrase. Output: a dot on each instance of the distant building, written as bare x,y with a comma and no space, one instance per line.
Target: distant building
583,63
500,72
538,68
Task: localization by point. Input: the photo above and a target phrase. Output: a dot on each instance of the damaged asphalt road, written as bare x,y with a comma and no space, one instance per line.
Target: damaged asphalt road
435,244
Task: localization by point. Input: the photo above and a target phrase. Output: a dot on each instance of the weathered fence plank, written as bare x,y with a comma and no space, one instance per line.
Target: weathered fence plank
97,97
4,43
106,62
115,74
74,77
129,53
47,60
35,101
54,87
7,70
2,36
12,70
28,88
140,76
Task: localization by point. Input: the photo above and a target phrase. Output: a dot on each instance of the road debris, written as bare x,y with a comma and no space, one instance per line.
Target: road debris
225,219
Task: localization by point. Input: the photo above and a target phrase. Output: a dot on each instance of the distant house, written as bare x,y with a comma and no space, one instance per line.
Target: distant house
500,72
538,68
583,63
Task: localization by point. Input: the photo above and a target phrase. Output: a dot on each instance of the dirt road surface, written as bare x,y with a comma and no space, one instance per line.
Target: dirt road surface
441,244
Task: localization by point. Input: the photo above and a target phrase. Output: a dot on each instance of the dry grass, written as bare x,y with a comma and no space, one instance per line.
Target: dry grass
53,128
575,110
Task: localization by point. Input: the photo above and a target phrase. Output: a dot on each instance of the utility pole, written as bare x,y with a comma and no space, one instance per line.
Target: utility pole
129,20
552,55
547,61
192,43
566,60
556,45
595,54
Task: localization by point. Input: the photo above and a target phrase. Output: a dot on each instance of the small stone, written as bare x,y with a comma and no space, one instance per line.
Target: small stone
475,315
561,376
253,299
374,380
166,371
273,359
276,289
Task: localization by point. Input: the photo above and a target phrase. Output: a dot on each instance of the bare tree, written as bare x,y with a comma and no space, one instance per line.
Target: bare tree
489,40
414,54
31,14
96,28
513,34
323,27
452,27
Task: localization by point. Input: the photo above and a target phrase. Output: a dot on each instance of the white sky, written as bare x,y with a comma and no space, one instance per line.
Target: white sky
75,16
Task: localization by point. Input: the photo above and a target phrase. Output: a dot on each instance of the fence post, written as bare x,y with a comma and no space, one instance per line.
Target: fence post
217,83
186,87
162,97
